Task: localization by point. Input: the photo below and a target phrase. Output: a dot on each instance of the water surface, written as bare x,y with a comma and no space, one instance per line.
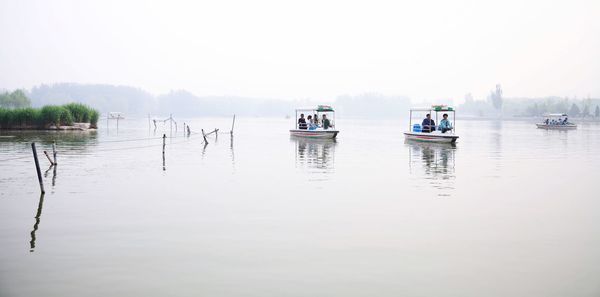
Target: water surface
510,210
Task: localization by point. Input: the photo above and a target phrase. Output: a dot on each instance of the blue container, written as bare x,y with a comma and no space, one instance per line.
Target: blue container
416,128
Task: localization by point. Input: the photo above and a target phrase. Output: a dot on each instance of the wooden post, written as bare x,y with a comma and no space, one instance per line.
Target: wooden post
188,131
204,135
216,134
164,143
54,152
37,167
49,159
232,124
184,129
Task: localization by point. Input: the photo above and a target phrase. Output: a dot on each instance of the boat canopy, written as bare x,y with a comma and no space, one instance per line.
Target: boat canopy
549,115
320,108
433,108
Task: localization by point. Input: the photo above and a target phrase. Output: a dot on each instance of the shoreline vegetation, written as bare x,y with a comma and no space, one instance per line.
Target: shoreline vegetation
72,116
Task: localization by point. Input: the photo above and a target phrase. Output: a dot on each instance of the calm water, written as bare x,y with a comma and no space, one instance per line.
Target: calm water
511,210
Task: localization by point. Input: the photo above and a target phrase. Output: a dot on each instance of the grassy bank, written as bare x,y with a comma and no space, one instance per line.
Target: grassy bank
47,116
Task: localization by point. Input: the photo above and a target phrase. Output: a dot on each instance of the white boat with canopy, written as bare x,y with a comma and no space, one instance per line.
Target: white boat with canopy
432,132
324,127
556,121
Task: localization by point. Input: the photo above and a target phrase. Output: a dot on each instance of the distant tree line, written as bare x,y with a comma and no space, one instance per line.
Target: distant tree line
15,99
181,103
497,104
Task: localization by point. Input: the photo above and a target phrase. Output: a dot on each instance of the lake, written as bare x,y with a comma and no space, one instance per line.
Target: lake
510,210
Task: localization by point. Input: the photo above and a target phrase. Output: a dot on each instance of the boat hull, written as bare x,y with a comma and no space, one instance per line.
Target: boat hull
320,134
431,137
557,127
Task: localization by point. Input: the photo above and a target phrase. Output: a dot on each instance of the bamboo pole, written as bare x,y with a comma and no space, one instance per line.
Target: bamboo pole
163,153
204,135
54,152
37,167
49,159
232,124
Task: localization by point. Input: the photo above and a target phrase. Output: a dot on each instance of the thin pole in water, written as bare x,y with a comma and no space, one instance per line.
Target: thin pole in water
37,167
204,135
54,151
163,155
49,159
232,124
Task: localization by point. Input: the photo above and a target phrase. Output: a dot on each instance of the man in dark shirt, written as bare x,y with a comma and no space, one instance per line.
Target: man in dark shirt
302,122
326,122
428,124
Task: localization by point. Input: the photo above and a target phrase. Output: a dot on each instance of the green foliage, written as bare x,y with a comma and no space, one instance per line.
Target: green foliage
94,116
48,115
81,113
16,99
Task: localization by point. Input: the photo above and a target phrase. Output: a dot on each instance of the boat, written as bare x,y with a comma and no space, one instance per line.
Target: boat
415,131
304,130
556,121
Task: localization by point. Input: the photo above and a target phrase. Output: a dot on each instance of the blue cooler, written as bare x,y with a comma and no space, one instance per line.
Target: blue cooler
416,128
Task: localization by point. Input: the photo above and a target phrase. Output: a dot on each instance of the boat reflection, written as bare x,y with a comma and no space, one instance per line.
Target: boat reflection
433,162
316,155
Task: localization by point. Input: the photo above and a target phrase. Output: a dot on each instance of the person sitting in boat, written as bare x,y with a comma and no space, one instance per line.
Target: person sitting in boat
302,122
565,121
445,125
547,121
311,123
428,124
316,119
326,122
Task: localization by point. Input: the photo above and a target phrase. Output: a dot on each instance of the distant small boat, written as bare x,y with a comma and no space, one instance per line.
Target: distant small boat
416,133
315,131
555,121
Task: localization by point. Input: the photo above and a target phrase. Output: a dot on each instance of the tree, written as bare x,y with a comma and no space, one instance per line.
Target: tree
586,111
16,99
597,112
496,97
574,111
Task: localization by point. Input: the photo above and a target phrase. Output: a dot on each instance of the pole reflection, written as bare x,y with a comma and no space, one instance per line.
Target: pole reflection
38,216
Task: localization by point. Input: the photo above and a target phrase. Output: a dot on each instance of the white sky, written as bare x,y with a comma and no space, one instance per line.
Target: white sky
427,50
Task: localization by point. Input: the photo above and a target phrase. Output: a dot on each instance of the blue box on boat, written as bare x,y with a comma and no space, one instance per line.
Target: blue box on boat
416,128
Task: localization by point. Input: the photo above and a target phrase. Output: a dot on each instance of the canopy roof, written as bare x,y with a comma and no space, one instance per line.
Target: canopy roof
320,108
555,115
434,108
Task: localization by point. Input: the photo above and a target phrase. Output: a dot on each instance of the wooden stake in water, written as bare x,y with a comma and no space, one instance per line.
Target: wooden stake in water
164,143
204,135
54,152
37,167
49,159
232,124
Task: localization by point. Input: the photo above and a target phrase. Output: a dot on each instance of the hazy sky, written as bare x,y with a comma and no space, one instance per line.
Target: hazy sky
307,49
